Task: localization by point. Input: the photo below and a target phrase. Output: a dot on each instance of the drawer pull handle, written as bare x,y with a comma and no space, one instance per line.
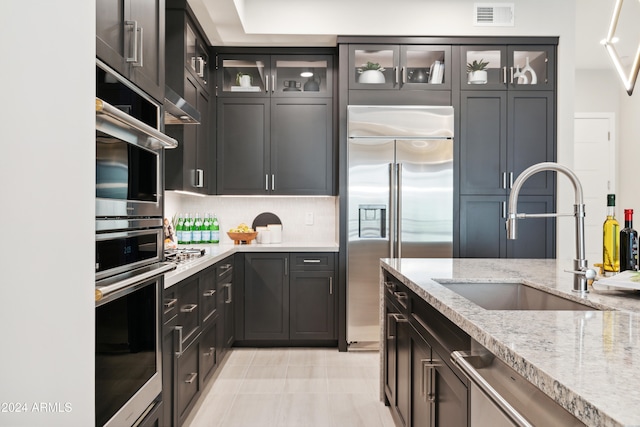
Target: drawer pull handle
180,349
188,308
192,378
209,293
311,261
211,352
170,303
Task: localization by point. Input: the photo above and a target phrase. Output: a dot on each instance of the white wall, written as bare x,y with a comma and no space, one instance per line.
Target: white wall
47,172
231,211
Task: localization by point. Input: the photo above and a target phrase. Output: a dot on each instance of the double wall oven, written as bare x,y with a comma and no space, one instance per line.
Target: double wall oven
129,262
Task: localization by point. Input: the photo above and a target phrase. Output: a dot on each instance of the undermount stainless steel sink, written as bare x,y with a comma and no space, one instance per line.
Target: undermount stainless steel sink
512,296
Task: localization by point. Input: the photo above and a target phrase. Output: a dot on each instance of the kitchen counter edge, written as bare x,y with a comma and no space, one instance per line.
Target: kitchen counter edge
215,253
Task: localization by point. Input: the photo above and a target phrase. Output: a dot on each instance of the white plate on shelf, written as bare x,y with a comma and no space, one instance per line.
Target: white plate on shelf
245,88
624,280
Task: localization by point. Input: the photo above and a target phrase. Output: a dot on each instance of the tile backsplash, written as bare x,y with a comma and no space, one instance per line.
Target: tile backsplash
294,213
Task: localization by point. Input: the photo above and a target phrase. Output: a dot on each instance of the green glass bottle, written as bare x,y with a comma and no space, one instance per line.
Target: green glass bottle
196,234
215,230
187,230
206,228
180,228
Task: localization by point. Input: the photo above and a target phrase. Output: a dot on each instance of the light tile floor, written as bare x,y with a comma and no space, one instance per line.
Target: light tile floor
302,387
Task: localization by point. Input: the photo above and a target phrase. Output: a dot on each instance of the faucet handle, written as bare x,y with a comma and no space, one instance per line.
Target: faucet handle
588,273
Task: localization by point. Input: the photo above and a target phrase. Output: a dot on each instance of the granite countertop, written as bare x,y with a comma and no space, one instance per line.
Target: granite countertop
215,253
587,361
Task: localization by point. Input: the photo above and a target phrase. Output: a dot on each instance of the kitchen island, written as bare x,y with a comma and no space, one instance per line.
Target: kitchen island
586,361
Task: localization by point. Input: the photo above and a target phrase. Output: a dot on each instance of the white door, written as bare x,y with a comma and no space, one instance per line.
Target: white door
595,165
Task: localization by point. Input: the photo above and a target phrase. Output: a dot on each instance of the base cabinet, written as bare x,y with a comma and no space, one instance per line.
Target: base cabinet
422,387
288,299
191,345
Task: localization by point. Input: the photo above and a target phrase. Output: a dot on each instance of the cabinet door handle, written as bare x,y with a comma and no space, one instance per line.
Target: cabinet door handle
504,210
330,285
134,43
211,352
199,178
403,75
209,293
266,182
273,83
394,319
286,267
191,378
178,329
266,83
311,261
229,293
140,63
430,373
170,303
391,286
510,179
200,63
504,180
273,182
511,79
395,72
504,75
188,308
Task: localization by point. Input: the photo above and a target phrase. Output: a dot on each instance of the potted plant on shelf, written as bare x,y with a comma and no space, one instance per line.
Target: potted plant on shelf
371,73
477,72
243,79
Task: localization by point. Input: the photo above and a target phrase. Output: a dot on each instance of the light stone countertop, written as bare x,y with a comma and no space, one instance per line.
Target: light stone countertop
215,253
587,361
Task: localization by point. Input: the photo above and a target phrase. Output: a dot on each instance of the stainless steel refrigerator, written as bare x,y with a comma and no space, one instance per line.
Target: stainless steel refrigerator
400,200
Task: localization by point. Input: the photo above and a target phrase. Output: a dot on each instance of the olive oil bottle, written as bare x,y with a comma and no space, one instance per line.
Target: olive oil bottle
611,238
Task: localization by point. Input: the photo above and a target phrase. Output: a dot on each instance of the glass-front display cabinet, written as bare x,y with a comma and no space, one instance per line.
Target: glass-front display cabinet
516,67
397,67
277,75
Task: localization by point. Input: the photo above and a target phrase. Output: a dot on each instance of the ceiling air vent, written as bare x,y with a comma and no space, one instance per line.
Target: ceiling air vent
493,14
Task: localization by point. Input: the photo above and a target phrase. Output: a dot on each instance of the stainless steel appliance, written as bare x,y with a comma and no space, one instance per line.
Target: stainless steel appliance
400,200
129,250
500,397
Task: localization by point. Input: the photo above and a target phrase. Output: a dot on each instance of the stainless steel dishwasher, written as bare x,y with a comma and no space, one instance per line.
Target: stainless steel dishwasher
500,397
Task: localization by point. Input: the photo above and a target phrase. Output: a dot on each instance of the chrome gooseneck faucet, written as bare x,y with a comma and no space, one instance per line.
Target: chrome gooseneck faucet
581,273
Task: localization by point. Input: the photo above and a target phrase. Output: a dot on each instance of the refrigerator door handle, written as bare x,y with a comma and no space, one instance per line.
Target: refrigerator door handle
399,210
392,211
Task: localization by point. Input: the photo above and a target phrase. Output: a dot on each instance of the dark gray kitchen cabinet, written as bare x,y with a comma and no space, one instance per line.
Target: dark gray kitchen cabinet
190,341
265,75
502,132
190,166
226,305
403,67
483,233
422,387
522,67
281,146
266,296
312,297
288,299
130,38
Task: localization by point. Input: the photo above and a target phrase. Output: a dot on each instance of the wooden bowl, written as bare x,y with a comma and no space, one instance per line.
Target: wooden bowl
242,238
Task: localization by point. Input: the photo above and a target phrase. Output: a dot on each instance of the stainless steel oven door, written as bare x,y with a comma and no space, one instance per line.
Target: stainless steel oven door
128,370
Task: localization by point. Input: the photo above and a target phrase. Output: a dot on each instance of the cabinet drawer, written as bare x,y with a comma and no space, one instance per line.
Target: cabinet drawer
225,267
208,350
312,261
189,309
187,378
208,295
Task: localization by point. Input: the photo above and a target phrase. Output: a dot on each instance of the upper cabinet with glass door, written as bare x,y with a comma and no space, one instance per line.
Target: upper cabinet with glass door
522,67
277,75
397,67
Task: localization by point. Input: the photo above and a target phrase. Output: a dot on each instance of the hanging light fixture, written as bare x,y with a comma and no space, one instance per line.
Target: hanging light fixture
620,46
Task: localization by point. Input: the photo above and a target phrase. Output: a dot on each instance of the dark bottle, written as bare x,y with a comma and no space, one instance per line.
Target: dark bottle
628,243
